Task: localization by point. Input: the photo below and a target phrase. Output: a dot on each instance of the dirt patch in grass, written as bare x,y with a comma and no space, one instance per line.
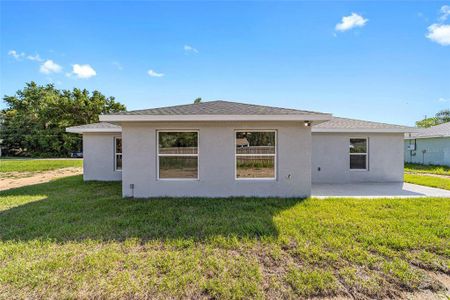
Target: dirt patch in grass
428,169
11,180
429,174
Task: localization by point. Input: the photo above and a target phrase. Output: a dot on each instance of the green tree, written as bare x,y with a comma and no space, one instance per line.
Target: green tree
441,117
35,119
427,122
444,116
197,100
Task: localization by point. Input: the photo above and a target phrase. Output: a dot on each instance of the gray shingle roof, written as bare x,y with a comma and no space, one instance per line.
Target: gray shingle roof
343,124
442,130
219,107
95,127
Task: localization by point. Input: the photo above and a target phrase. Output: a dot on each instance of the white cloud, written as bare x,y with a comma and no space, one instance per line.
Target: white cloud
439,33
49,66
152,73
16,55
20,56
445,12
189,48
35,58
82,71
443,100
352,21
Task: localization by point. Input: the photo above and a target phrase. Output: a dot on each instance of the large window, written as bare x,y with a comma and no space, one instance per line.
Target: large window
177,155
256,154
359,154
117,154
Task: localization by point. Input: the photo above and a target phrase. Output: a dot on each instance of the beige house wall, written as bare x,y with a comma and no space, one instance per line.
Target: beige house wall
216,161
98,157
301,158
330,154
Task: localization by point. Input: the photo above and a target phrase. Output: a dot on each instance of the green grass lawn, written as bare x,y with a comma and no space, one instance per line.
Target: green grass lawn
417,168
417,174
69,239
37,165
433,181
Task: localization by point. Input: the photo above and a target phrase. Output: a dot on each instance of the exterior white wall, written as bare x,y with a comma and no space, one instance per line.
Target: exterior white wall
437,151
98,157
330,153
216,161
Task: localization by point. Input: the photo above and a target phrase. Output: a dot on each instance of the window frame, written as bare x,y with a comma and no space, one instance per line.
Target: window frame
365,153
117,153
158,155
274,155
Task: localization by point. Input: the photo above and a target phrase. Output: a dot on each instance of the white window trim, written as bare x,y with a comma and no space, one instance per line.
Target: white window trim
116,153
158,155
271,155
366,154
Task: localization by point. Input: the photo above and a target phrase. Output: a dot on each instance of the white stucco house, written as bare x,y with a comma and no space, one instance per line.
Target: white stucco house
429,146
221,149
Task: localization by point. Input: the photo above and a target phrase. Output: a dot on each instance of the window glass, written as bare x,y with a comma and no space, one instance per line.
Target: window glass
255,166
177,155
178,167
118,145
119,162
358,146
255,154
255,142
358,162
358,154
178,142
117,153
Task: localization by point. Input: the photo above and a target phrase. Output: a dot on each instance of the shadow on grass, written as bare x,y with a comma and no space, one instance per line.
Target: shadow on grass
71,209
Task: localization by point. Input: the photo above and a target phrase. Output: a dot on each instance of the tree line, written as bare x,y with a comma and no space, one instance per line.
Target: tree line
35,118
441,117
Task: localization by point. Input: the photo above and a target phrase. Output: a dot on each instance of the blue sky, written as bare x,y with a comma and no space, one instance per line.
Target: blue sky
387,61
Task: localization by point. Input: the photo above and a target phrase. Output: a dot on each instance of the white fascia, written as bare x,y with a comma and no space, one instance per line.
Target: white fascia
93,130
426,137
362,130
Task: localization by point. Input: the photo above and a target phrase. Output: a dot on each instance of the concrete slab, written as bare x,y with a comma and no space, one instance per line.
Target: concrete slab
376,190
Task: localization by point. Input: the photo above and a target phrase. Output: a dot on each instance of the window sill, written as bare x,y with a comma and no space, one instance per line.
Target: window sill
255,179
177,179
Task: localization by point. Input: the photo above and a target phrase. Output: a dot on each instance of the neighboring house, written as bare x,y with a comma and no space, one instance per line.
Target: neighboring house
242,142
221,149
429,146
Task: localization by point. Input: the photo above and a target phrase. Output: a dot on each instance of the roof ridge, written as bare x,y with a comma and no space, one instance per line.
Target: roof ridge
267,106
218,107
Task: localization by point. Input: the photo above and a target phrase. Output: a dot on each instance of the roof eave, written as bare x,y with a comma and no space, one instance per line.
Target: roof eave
212,118
93,130
427,137
361,130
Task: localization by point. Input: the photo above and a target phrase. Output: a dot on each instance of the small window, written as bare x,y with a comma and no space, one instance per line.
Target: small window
255,154
359,154
177,155
118,154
